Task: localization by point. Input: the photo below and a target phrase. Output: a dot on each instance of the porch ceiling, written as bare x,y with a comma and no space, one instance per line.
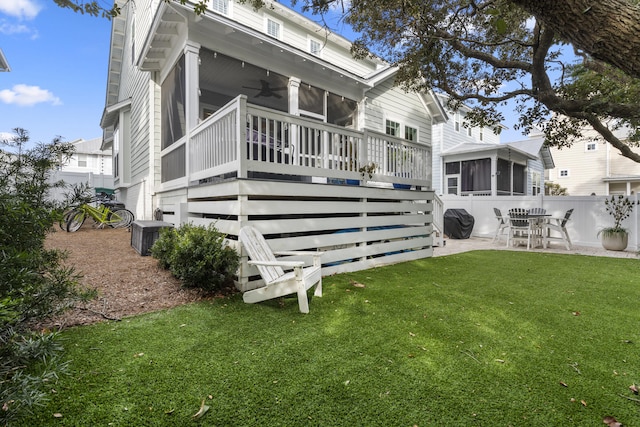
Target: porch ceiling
162,39
220,34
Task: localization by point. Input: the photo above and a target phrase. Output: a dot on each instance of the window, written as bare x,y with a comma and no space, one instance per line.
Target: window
315,47
116,152
82,160
481,135
392,128
411,134
535,183
519,179
274,28
452,168
475,176
221,6
452,185
456,122
564,173
591,146
469,131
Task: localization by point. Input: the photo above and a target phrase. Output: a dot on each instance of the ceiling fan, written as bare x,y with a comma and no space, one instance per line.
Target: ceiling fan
266,90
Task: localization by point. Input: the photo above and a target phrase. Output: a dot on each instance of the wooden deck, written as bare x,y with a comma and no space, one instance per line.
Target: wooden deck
288,177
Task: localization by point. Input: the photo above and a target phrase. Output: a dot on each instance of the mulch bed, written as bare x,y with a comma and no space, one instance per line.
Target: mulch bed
127,283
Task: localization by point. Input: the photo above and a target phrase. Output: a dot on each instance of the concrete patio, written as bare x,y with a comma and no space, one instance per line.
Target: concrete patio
453,246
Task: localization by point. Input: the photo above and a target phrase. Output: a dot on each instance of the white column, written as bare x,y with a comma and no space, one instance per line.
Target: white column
294,86
192,84
494,175
192,96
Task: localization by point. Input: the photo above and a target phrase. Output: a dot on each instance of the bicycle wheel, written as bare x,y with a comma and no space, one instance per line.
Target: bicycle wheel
121,218
75,221
65,219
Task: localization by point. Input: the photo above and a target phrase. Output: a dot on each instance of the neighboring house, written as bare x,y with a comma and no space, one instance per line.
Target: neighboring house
472,161
89,157
4,65
593,166
90,164
243,117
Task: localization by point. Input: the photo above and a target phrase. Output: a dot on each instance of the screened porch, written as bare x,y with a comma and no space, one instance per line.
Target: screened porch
242,140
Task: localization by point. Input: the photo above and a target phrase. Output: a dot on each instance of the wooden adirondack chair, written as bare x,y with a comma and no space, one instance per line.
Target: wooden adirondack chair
278,282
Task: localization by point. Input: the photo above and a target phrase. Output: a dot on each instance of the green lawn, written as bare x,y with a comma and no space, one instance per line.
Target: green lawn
487,338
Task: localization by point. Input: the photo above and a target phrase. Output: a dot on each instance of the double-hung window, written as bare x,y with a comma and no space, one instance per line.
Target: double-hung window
273,28
392,128
315,47
221,6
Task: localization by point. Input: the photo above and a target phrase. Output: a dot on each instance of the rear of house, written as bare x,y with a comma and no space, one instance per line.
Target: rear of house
241,117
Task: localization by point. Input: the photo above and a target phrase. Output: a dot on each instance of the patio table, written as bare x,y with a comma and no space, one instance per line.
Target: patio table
535,227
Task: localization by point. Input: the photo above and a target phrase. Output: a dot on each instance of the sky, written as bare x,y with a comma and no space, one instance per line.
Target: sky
58,60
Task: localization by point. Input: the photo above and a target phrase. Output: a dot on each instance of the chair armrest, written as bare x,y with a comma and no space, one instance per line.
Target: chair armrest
316,255
291,264
299,253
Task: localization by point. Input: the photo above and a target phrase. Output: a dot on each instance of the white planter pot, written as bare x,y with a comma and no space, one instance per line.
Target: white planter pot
615,241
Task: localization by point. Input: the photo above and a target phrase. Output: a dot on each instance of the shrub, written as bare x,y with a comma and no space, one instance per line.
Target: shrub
196,255
34,284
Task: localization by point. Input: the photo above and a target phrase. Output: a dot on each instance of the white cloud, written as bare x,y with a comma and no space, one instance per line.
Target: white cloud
23,9
8,28
6,136
26,96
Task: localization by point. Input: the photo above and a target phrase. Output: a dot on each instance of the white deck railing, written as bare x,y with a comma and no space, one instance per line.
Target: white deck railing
241,139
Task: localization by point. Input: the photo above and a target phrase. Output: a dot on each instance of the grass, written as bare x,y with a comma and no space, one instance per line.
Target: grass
487,338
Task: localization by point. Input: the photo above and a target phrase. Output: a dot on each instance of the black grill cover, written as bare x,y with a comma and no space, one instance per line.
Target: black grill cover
458,223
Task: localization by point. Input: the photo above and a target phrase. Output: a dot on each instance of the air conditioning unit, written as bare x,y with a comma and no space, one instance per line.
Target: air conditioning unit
145,233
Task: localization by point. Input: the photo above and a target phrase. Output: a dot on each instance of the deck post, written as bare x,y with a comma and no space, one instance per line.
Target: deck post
241,131
192,113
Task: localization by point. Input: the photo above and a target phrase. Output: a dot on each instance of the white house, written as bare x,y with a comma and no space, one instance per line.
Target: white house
261,117
593,166
90,164
471,160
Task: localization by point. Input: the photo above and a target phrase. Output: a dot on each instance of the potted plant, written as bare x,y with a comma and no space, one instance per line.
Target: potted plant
367,169
616,238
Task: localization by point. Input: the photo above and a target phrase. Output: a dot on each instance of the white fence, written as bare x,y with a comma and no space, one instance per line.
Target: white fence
589,214
71,178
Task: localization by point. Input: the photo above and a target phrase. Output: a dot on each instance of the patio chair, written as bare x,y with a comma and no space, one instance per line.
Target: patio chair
520,228
559,225
279,283
503,224
537,211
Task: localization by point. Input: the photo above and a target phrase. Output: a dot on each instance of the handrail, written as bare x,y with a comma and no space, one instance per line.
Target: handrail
438,220
241,138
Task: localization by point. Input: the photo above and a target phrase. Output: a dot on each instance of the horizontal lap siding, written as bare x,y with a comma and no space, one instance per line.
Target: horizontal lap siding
356,227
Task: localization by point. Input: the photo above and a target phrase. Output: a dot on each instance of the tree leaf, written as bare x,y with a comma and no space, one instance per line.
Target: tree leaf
203,410
611,422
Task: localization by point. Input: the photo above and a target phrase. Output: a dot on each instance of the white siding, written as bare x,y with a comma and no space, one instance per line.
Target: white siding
134,84
387,101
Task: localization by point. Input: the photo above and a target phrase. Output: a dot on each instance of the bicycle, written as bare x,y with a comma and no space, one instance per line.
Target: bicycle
103,215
